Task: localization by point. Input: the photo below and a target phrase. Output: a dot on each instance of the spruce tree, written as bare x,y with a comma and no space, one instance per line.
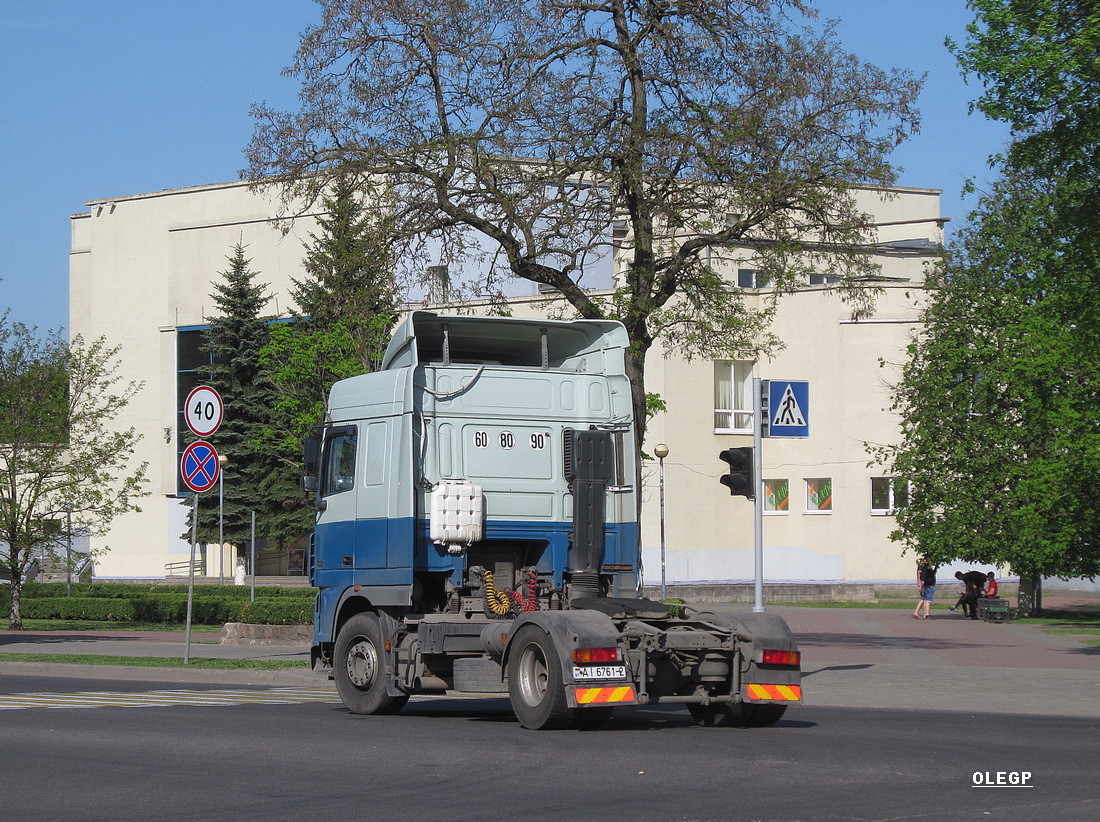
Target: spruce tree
346,309
349,281
255,479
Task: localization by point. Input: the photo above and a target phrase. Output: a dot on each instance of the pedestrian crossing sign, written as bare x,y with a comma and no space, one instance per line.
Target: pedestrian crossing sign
786,408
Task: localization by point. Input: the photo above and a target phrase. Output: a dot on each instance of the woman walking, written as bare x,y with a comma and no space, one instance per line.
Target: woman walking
926,581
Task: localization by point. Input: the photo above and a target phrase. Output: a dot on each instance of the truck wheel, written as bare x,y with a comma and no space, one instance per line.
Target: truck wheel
535,684
591,718
709,716
751,715
359,668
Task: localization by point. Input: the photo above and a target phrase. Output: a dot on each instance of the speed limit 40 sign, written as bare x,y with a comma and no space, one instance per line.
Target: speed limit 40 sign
203,410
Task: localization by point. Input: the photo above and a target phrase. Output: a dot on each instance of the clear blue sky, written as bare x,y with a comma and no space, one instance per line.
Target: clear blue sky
113,97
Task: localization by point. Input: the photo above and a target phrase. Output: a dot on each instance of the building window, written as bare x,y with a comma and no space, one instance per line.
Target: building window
192,370
888,494
777,496
819,495
752,278
822,279
733,397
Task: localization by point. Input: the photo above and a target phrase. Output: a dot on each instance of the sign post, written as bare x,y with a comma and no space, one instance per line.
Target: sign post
200,469
781,408
758,501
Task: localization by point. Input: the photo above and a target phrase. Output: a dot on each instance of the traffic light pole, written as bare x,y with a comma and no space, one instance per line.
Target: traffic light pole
758,502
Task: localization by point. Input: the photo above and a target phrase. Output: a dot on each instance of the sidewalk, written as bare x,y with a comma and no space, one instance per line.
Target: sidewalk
851,657
883,658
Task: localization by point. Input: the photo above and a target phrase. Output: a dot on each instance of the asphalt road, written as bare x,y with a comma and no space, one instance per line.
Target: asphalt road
901,718
467,759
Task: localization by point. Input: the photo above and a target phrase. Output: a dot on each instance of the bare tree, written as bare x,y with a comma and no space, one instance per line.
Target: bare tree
707,131
64,470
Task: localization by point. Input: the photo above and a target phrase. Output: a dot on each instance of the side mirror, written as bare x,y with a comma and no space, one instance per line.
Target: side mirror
309,484
312,455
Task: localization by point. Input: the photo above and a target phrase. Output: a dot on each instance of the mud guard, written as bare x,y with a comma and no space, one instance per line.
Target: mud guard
568,630
760,682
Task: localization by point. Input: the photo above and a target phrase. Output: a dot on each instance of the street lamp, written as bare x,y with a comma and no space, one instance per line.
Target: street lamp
661,451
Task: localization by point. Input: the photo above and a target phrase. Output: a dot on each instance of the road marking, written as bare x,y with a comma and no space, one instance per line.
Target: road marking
168,699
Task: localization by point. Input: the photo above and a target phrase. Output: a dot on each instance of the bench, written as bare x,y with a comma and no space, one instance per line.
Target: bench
993,609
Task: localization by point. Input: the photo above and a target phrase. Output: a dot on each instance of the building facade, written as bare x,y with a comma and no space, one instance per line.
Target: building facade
142,271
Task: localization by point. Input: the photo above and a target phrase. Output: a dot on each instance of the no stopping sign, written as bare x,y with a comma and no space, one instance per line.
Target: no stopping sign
199,466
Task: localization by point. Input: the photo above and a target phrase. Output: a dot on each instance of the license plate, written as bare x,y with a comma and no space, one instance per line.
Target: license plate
591,672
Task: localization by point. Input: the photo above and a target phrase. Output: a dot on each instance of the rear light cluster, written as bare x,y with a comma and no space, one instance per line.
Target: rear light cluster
589,656
770,657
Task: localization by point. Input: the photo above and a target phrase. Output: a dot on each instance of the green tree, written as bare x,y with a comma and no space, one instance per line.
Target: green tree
1038,63
527,131
347,306
64,470
349,280
255,480
999,401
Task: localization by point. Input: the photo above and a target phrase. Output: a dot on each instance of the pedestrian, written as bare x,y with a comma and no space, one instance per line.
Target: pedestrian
990,586
974,582
926,583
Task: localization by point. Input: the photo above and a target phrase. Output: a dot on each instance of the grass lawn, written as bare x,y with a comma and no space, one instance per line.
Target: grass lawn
158,661
103,625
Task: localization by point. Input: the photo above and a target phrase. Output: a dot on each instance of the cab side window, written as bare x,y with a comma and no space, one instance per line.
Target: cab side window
339,467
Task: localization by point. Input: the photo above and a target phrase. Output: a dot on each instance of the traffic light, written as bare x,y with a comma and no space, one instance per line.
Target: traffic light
739,480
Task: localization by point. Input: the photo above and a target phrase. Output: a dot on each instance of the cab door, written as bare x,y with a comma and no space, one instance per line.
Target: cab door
372,535
336,532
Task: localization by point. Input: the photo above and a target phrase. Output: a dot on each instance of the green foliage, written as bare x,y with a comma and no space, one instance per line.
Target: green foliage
211,604
256,478
1000,420
347,308
283,611
109,610
157,661
124,589
65,471
350,275
1000,400
1038,61
305,361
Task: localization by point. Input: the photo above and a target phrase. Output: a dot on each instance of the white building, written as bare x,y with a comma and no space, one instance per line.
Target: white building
142,269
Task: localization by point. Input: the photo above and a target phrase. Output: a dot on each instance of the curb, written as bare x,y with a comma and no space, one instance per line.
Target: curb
286,636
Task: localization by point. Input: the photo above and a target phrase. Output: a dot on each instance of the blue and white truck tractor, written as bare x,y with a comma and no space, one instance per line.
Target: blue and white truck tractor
477,532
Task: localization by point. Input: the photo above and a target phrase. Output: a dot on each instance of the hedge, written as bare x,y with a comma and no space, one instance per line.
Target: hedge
126,590
211,604
276,611
107,610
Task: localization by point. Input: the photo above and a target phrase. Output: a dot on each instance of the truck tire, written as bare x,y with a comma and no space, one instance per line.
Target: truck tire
360,670
589,719
710,716
535,683
751,715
